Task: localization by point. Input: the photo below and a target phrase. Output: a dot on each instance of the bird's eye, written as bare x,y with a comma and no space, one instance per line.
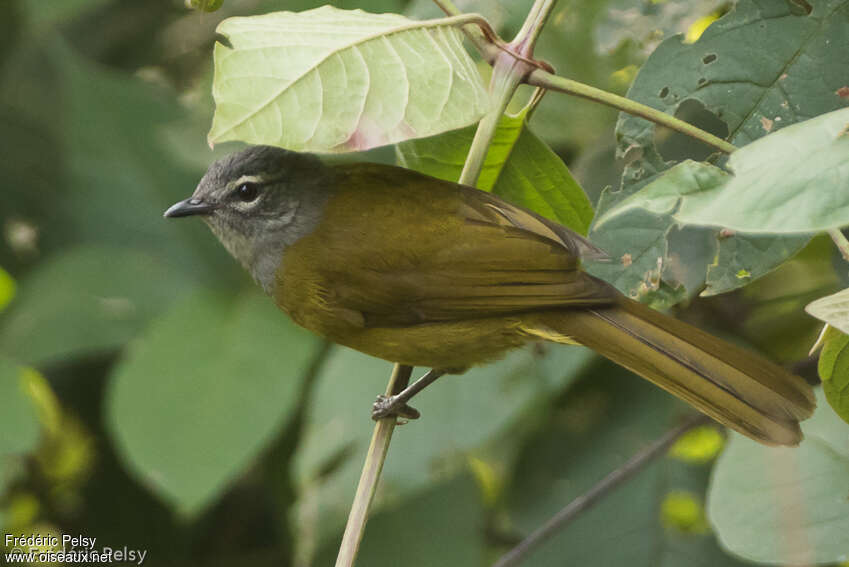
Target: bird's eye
247,192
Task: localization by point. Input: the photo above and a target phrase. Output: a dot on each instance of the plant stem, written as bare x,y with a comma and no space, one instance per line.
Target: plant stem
526,39
840,241
448,7
541,78
597,492
486,45
370,476
506,76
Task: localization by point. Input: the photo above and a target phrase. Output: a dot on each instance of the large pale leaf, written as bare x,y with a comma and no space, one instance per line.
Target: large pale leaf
332,80
796,72
519,167
203,390
793,181
796,180
785,506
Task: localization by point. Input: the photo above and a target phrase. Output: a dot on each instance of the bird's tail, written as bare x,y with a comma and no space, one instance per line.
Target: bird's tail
734,386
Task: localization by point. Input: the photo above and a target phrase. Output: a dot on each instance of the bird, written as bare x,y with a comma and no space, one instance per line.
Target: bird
429,273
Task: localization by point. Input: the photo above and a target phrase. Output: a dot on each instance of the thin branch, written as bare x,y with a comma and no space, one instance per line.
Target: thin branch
448,7
371,474
552,82
840,241
582,503
526,39
506,76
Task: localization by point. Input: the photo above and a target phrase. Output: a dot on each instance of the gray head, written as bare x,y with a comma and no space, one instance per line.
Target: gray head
258,202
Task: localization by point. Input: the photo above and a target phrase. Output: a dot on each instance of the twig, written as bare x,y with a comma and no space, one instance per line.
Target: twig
596,493
840,241
506,77
510,66
448,7
527,37
541,78
483,37
371,474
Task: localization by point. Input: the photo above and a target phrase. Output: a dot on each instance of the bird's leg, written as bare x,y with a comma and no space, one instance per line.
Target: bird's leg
396,406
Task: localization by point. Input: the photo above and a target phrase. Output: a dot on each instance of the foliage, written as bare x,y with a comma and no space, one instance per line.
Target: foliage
519,167
793,74
749,505
834,370
139,365
343,80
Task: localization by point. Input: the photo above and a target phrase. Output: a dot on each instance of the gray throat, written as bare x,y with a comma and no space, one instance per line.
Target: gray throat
262,249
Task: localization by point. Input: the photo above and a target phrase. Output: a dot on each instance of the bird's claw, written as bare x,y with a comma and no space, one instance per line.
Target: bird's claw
391,406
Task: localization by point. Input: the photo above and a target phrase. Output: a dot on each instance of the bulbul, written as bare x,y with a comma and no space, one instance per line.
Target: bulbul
424,272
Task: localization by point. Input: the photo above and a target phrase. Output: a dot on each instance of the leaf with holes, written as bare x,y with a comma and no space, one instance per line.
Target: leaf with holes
761,67
331,80
519,167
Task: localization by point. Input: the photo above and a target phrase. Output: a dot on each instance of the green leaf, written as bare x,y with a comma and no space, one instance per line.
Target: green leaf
777,186
796,180
117,185
832,309
7,288
87,300
44,15
833,369
205,5
332,80
665,194
796,73
637,242
18,413
785,506
646,522
203,391
741,258
338,427
519,167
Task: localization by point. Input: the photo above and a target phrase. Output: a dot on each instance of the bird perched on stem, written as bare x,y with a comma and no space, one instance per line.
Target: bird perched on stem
425,272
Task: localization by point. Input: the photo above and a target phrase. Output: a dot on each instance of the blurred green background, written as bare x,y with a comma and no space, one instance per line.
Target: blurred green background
153,398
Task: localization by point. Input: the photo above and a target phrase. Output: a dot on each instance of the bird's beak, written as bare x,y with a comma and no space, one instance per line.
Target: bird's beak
190,206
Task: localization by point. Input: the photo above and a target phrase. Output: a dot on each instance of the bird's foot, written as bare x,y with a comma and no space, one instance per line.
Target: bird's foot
393,406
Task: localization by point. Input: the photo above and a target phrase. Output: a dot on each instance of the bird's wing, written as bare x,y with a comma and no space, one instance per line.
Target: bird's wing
432,251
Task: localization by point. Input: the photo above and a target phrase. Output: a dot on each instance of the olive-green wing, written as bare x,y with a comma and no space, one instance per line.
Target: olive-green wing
452,253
